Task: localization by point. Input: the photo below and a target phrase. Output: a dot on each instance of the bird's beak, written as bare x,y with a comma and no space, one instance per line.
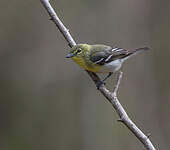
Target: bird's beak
71,55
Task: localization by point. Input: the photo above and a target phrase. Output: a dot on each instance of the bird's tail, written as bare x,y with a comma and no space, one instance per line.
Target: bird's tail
139,50
135,51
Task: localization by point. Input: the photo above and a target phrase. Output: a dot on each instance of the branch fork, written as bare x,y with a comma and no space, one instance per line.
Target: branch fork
110,96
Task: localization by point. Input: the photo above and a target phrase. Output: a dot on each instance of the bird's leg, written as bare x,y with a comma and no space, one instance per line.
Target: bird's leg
98,84
110,73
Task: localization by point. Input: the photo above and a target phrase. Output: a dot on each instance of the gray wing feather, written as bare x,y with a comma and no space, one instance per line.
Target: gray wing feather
107,54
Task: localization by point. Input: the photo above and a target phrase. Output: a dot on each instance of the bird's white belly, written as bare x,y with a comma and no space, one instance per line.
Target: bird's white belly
112,66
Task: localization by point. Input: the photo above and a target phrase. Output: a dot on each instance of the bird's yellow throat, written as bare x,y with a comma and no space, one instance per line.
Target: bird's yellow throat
80,61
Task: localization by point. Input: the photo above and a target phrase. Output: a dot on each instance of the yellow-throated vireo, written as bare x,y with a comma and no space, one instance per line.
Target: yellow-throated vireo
101,58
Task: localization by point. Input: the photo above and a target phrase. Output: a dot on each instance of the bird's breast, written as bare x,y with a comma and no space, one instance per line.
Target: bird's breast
87,66
108,67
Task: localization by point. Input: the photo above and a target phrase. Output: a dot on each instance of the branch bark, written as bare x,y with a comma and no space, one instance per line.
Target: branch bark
110,96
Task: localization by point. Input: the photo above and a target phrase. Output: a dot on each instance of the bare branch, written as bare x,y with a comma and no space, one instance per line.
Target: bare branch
111,97
64,31
117,84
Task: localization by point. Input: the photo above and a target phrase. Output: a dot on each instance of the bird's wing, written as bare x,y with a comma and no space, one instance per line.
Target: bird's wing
101,54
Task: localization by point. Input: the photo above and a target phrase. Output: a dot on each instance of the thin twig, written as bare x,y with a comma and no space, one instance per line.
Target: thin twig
64,31
112,98
118,83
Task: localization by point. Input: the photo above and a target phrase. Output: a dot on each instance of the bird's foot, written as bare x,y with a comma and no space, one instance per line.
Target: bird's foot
99,83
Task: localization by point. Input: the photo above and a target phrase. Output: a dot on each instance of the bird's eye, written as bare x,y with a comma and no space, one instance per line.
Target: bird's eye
79,50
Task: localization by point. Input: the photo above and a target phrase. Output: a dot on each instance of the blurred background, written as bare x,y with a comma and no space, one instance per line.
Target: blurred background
48,102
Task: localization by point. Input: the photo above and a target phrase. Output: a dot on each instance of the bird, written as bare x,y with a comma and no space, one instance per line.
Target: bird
99,58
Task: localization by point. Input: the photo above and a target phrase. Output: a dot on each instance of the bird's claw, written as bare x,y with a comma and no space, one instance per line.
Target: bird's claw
99,83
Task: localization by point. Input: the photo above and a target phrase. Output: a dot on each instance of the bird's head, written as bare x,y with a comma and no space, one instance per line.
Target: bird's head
79,51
